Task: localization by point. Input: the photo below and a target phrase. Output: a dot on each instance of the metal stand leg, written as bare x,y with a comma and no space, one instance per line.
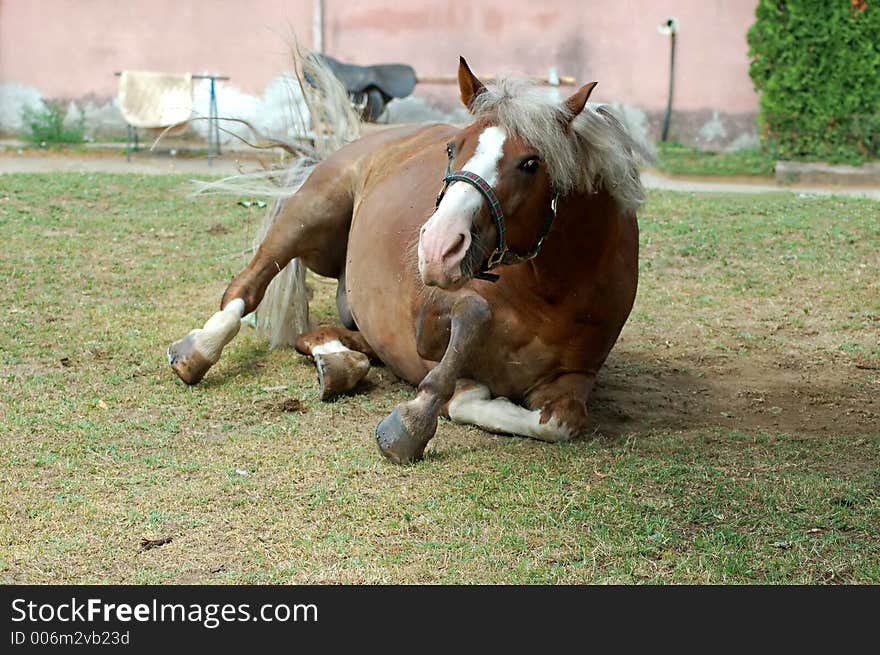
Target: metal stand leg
213,125
216,119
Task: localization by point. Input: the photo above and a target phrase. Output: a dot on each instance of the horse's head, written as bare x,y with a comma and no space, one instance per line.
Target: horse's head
497,201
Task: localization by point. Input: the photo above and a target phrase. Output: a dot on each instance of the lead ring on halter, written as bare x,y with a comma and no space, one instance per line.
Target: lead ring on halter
502,254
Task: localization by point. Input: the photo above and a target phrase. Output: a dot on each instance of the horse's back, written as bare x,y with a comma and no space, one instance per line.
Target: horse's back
384,148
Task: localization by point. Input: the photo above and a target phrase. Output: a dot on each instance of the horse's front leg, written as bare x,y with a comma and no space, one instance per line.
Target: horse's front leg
560,416
403,435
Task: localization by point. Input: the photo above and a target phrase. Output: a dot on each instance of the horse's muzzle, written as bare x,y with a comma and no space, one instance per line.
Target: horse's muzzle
442,248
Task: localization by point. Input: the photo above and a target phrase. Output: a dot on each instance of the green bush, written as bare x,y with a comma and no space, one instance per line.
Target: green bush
47,126
816,64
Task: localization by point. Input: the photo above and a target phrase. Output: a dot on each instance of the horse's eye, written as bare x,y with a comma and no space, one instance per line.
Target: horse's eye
530,165
450,151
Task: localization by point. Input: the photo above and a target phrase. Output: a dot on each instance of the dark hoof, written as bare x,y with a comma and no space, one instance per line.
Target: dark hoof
340,372
396,442
189,364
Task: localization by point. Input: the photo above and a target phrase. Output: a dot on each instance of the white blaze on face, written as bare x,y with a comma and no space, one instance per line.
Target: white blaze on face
463,198
446,236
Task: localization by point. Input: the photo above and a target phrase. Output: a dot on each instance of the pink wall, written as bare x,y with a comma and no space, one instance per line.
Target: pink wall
70,48
612,41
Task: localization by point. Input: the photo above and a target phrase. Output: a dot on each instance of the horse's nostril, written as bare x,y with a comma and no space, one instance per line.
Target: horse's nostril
455,247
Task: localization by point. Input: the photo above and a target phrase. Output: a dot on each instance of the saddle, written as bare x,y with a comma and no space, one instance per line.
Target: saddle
373,85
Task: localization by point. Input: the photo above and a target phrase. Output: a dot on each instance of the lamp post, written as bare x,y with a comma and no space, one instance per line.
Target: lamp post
670,27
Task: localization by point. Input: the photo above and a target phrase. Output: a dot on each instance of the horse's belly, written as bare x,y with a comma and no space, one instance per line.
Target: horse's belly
382,285
382,282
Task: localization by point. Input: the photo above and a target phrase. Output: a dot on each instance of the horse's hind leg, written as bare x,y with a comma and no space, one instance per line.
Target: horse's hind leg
342,308
342,358
313,225
403,435
192,356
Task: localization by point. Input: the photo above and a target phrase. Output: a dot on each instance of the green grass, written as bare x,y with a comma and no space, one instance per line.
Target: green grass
747,305
676,159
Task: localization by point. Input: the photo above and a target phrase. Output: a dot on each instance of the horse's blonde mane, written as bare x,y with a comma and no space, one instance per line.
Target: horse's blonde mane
597,152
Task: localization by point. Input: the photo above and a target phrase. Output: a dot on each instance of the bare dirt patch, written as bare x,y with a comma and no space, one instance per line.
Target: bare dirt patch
758,395
291,405
218,229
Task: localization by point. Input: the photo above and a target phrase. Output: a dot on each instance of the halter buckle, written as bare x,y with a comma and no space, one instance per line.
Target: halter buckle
496,258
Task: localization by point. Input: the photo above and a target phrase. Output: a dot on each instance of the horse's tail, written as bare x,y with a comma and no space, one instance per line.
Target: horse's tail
283,314
330,122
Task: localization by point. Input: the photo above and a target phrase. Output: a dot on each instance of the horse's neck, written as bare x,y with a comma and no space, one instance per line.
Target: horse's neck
587,226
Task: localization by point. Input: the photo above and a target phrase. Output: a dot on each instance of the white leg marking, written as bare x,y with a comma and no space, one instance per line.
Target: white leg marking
329,348
220,329
476,407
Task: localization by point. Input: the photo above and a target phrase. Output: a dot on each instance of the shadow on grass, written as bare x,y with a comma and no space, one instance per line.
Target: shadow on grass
242,364
634,393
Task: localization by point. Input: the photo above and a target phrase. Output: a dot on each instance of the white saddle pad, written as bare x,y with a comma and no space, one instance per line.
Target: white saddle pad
148,99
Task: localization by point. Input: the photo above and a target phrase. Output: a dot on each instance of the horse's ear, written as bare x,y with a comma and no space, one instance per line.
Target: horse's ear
575,104
468,84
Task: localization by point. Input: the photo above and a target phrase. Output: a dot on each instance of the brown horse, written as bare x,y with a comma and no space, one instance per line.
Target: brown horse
541,194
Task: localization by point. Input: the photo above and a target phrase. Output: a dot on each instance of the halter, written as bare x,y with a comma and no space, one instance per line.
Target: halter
502,254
